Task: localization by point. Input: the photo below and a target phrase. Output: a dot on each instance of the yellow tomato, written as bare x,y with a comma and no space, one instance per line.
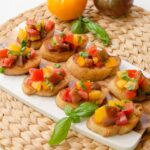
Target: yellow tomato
67,9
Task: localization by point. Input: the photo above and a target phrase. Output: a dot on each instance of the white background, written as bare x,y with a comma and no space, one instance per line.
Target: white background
10,8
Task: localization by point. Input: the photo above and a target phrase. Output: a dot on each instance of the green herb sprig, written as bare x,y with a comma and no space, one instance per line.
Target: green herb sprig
84,25
73,116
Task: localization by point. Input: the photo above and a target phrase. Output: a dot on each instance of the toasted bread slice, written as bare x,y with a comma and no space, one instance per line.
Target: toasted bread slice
16,70
115,129
93,74
29,90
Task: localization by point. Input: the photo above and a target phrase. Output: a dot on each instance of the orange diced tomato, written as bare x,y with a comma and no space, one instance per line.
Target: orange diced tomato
132,73
3,53
37,75
130,94
92,51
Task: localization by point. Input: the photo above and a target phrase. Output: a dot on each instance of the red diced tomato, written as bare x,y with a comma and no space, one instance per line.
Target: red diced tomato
3,53
67,96
121,119
7,62
92,51
128,108
49,25
54,78
32,53
33,32
68,38
37,75
83,94
131,94
132,73
141,81
88,86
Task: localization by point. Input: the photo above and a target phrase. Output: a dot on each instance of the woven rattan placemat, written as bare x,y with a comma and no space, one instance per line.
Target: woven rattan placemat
22,128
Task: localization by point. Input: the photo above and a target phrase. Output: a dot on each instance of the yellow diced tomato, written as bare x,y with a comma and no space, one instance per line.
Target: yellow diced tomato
22,35
121,83
42,22
38,27
95,59
81,61
100,114
45,86
14,47
47,72
115,103
37,85
77,39
95,95
111,62
78,85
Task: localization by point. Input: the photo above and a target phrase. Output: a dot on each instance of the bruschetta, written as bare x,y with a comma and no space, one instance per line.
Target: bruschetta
35,32
92,64
81,91
117,117
47,81
61,46
130,84
17,59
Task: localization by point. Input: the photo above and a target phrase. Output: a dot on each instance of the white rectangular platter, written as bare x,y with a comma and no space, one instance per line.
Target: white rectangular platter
47,106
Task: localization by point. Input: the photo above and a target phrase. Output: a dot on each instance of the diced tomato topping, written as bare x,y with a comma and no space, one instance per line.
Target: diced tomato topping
67,96
68,38
128,108
83,94
88,86
32,53
99,64
121,119
6,62
92,51
33,32
29,81
37,75
3,53
132,73
131,94
49,25
141,81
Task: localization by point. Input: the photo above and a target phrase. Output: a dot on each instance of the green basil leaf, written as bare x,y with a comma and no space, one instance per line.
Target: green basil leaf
61,131
2,70
78,27
85,110
98,31
23,45
84,54
75,119
124,76
57,65
68,110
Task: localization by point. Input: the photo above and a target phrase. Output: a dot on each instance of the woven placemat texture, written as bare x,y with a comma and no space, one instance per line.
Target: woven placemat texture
22,128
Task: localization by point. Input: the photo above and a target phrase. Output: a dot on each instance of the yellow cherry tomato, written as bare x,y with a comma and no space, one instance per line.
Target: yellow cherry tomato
67,9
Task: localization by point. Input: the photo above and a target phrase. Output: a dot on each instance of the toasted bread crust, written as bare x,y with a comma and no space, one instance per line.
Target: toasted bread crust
61,103
114,129
30,91
93,74
120,93
16,70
